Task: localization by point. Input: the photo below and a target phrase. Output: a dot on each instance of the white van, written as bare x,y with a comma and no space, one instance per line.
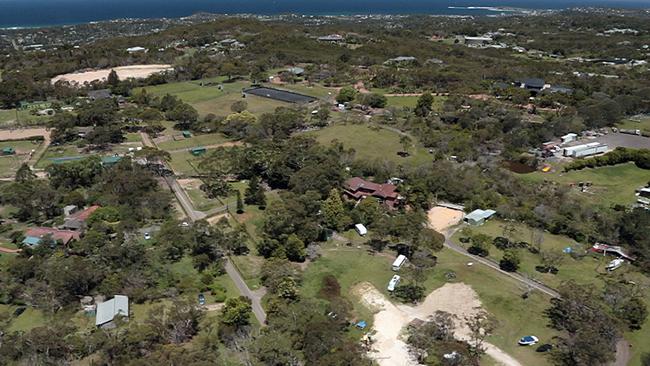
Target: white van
393,283
399,262
361,230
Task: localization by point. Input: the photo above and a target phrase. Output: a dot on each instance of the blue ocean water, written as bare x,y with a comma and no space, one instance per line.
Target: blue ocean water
25,13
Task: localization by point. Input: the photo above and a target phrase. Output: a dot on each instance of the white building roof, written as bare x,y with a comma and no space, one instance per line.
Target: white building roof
108,310
478,215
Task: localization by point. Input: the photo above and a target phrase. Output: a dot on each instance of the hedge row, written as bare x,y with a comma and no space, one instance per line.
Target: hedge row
619,156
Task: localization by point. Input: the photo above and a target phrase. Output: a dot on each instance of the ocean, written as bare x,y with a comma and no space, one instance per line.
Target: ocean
30,13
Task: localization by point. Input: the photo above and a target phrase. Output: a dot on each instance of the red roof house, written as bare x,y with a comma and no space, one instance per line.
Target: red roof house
358,188
65,236
77,221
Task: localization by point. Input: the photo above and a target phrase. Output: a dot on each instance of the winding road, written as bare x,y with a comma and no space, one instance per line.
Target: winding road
194,215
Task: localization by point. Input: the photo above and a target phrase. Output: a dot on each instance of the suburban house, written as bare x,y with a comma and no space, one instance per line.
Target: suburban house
478,217
107,311
333,38
76,220
100,94
357,188
34,236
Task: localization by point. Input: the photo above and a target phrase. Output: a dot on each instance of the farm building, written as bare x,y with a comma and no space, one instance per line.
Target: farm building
109,161
107,311
357,188
196,151
589,149
478,217
569,137
281,95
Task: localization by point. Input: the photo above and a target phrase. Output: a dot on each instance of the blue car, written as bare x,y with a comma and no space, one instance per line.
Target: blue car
201,299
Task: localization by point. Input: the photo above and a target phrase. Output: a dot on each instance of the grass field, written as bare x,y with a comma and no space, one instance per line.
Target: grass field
314,90
611,185
643,124
500,296
411,102
372,143
194,141
25,118
209,99
182,162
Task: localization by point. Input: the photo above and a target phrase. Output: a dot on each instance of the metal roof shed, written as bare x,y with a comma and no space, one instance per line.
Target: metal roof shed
478,217
108,310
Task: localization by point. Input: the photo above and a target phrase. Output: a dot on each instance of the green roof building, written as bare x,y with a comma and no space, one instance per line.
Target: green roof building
8,151
109,161
198,151
187,134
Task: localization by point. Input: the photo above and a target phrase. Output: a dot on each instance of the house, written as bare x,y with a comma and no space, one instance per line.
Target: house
357,188
611,249
34,236
569,137
478,217
100,94
477,41
559,89
77,220
107,311
298,71
69,210
533,84
401,60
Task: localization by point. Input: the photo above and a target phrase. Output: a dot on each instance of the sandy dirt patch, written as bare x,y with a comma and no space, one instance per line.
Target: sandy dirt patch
20,134
190,183
389,348
214,219
123,72
442,218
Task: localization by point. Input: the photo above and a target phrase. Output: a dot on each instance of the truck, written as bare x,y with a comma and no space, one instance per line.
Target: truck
393,283
399,262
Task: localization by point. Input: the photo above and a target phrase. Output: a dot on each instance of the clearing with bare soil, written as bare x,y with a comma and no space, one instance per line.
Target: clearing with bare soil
442,218
123,72
389,349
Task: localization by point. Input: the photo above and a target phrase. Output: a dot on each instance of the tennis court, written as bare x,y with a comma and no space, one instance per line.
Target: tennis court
281,95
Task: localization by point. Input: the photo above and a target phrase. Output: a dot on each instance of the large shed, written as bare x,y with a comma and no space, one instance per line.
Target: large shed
107,311
478,217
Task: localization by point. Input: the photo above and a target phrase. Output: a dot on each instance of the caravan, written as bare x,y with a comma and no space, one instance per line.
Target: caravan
399,262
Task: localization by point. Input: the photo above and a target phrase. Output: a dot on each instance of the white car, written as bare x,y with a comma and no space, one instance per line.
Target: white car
528,341
147,236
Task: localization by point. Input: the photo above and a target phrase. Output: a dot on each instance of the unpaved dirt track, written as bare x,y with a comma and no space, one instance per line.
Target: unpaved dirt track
457,299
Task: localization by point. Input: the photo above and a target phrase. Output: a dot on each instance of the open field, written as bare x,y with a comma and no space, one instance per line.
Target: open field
411,102
123,72
642,124
209,99
183,162
500,296
611,185
371,143
313,90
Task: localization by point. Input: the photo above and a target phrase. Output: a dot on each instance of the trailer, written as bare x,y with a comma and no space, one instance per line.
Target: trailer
399,262
360,229
591,151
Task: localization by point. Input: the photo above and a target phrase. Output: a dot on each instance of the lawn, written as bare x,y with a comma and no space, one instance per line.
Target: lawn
194,141
411,102
9,165
501,296
642,124
29,319
371,143
183,162
611,185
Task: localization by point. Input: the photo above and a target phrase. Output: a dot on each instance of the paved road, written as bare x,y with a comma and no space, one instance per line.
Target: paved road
194,215
526,281
255,296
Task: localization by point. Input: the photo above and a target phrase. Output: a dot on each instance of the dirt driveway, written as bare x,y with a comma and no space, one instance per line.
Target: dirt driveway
389,349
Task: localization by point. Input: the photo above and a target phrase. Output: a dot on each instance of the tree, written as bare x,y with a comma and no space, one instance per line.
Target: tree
510,261
24,174
346,95
550,260
113,79
295,249
411,292
634,312
254,194
480,245
406,143
240,203
373,100
323,115
334,214
184,114
645,359
239,106
480,325
424,105
236,311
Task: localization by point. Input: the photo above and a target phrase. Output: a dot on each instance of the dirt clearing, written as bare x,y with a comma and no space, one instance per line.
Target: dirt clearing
20,134
123,72
442,218
389,349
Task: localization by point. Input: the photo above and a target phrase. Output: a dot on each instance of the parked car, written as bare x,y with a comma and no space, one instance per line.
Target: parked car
147,236
528,341
201,299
